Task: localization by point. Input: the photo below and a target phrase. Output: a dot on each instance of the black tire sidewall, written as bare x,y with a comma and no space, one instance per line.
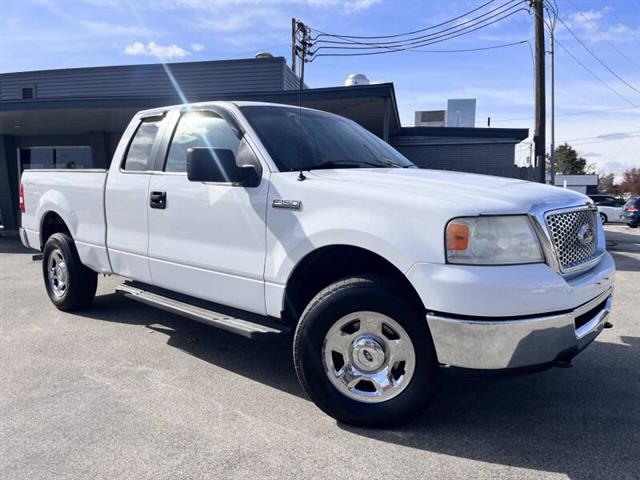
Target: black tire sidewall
604,218
81,282
312,329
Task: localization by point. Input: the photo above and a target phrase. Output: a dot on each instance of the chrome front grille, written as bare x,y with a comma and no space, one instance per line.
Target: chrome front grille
574,236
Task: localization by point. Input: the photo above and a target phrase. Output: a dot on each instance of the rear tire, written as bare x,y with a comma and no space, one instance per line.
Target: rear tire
386,343
70,285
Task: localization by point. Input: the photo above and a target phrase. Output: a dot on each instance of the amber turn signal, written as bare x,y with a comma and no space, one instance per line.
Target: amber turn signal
457,237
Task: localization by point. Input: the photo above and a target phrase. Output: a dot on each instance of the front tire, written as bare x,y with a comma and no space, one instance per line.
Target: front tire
70,285
604,218
364,354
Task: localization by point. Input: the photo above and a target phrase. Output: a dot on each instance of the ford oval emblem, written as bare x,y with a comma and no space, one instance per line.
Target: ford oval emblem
585,235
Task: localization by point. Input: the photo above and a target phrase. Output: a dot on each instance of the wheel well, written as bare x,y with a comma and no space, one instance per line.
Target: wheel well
326,265
52,223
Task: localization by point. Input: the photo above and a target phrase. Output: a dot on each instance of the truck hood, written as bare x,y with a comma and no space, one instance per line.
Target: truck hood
479,194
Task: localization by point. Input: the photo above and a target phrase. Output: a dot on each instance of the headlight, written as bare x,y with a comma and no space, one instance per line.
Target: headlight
498,240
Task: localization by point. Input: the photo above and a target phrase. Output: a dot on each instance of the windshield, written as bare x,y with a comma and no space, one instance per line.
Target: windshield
631,202
299,139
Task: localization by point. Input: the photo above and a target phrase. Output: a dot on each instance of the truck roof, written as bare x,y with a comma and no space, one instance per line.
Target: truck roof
222,103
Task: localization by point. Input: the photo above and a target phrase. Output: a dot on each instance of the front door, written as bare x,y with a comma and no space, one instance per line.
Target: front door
207,240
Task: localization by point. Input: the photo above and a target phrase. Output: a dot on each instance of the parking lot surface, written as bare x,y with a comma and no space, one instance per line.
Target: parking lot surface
127,391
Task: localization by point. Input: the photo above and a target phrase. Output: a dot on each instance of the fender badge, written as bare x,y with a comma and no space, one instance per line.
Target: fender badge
290,204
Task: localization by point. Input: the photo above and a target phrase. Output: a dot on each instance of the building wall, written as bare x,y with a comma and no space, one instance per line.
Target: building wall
489,157
193,79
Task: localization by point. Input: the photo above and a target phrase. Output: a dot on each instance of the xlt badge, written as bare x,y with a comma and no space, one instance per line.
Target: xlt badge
290,204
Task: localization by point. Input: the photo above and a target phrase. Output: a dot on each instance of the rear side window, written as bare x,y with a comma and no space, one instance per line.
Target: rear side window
138,157
199,130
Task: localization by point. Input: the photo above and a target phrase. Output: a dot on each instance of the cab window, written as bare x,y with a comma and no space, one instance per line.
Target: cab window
199,130
138,157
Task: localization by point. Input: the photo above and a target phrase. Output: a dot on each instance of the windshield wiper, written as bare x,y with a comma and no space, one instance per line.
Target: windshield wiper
384,160
350,164
339,164
391,163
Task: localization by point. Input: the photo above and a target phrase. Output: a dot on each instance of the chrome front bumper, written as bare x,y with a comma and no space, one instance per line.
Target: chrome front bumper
495,344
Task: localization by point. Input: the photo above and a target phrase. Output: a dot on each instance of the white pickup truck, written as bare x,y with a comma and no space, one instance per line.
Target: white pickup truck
266,219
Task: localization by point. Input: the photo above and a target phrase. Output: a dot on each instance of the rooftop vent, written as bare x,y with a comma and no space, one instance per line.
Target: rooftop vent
356,79
27,93
430,118
261,55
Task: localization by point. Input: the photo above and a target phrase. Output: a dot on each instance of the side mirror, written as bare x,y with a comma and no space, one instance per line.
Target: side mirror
219,165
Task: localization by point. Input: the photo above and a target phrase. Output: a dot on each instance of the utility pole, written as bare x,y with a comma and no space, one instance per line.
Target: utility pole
552,162
294,42
299,47
305,47
539,131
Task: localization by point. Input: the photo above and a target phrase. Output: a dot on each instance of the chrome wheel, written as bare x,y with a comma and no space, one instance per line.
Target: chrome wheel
57,273
368,357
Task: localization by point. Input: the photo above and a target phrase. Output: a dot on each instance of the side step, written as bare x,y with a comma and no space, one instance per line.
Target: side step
256,327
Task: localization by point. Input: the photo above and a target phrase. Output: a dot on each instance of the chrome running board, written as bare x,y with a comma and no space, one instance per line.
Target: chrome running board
252,326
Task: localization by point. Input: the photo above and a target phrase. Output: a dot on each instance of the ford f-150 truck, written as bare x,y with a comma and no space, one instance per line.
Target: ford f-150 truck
267,219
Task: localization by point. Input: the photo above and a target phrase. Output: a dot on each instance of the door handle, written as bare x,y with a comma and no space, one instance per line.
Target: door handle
158,200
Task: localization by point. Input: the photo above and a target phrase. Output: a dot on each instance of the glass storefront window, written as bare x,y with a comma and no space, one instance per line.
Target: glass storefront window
56,157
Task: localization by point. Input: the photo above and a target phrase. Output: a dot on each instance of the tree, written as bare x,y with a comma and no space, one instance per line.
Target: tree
606,183
568,162
631,181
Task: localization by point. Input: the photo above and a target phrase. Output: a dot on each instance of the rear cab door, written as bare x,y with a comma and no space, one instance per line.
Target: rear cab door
126,195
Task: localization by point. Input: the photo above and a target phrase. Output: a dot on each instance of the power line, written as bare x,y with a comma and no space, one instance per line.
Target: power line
595,29
554,10
568,52
595,56
582,112
491,47
613,12
407,33
343,40
595,142
411,45
603,137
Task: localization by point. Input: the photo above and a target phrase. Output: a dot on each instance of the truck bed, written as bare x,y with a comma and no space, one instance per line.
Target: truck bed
76,196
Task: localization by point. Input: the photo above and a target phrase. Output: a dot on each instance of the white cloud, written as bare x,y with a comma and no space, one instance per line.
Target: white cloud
197,47
164,52
358,5
595,26
349,6
587,20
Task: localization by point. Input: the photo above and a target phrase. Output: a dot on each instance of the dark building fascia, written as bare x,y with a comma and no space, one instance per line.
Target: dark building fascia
186,80
517,134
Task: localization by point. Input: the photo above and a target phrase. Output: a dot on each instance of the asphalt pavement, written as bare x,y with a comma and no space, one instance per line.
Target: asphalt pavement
125,391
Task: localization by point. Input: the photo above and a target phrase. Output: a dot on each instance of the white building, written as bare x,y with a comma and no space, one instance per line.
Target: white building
586,184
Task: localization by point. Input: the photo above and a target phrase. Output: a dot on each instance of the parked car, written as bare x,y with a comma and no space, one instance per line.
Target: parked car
266,219
602,197
610,208
631,213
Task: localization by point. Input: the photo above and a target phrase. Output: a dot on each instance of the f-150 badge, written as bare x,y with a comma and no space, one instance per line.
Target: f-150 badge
290,204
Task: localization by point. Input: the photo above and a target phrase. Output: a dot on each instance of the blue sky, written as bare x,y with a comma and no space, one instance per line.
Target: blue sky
48,34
